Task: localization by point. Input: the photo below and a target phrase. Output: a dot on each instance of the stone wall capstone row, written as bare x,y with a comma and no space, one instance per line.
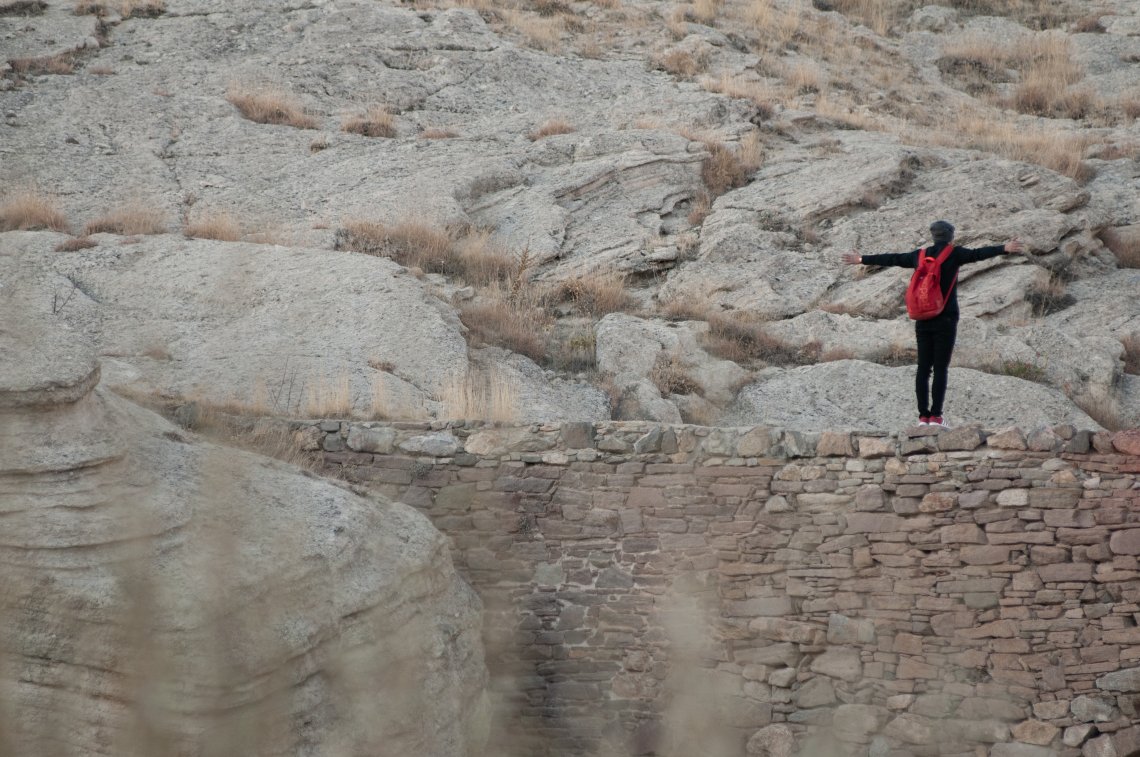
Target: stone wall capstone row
962,592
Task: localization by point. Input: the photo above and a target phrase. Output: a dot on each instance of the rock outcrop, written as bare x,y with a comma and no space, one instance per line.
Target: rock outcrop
163,595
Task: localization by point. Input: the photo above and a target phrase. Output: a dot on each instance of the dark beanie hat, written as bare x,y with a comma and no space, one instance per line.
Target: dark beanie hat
942,232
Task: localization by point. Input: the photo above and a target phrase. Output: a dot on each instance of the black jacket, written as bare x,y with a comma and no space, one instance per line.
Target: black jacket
948,318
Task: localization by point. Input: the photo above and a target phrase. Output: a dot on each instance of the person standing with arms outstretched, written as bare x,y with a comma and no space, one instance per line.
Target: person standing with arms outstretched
935,335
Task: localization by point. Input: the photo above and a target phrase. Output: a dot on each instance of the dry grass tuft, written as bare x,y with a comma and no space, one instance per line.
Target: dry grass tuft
329,397
1131,344
1048,297
575,351
375,122
270,106
28,209
64,63
538,31
434,133
1126,248
726,168
671,376
125,8
412,244
740,337
681,63
481,395
595,295
516,322
214,225
1056,149
22,8
482,260
319,143
75,244
550,128
1103,410
132,218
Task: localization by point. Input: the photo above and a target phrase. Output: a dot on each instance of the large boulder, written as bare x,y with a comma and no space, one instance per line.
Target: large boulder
164,595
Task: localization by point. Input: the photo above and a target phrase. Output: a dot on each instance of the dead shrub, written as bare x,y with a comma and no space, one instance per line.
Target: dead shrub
835,354
1126,248
1129,104
1049,297
270,106
375,122
29,209
1103,410
1087,25
1056,149
433,133
898,354
740,339
412,244
699,209
681,63
482,260
64,63
489,395
725,169
1131,344
75,244
574,351
22,8
550,128
513,321
214,225
319,143
595,295
129,219
671,376
125,8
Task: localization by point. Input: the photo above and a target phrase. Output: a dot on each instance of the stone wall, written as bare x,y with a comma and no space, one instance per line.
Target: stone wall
683,590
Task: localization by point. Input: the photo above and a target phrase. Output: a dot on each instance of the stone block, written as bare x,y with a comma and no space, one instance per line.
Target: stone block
839,662
1007,438
960,439
1062,572
1125,542
776,740
377,440
1075,735
857,723
1015,749
1013,497
962,533
815,692
1051,710
1054,498
1100,747
937,502
983,555
1001,629
1035,732
1127,442
911,668
781,654
779,629
844,630
577,435
835,444
1094,709
876,446
1120,680
911,729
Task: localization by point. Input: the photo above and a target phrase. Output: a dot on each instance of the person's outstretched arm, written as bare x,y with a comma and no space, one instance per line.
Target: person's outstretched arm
966,255
899,259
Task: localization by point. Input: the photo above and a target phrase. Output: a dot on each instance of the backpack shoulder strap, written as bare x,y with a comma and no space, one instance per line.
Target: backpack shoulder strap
944,254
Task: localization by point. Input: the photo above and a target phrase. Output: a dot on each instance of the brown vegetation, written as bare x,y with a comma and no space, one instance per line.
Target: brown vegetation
1131,344
125,8
75,244
1126,247
30,209
596,294
270,106
516,321
63,63
129,219
1050,296
22,8
435,133
671,376
375,122
214,225
681,63
726,168
550,128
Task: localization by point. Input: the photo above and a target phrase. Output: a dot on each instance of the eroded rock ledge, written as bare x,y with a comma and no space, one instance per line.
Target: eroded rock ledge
163,595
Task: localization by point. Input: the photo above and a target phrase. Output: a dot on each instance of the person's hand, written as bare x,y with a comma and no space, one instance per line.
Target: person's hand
1014,245
852,257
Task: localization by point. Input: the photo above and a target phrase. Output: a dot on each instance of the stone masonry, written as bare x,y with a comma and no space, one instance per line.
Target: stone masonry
756,592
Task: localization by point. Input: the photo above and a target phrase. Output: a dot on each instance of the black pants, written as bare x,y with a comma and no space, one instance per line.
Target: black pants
935,346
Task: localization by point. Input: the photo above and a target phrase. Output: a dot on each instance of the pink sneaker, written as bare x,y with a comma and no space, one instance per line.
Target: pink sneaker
938,420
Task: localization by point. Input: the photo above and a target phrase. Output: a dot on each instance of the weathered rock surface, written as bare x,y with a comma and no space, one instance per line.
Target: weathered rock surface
220,600
852,394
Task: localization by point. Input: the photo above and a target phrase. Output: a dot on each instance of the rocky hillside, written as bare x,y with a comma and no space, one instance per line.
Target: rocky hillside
547,210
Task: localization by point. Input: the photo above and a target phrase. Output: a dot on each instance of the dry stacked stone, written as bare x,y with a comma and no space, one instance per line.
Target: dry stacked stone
652,589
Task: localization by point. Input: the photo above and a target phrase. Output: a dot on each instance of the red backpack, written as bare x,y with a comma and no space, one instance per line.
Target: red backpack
924,298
